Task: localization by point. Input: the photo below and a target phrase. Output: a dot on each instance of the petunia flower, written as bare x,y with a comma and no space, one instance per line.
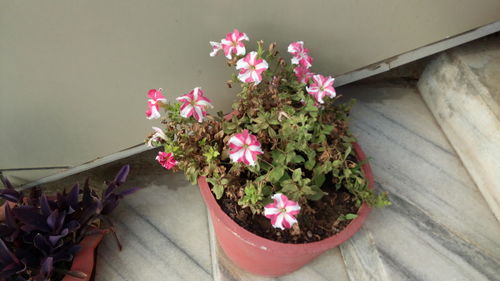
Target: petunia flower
282,211
233,44
216,47
166,160
321,87
194,104
153,111
300,54
155,98
303,74
251,68
158,136
244,148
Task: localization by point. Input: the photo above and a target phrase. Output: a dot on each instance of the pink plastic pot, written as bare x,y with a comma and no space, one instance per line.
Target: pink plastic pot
266,257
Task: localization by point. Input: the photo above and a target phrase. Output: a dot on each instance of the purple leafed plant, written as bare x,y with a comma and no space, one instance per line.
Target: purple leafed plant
40,234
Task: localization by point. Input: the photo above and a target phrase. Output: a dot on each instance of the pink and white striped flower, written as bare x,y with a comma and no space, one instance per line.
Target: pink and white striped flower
244,148
303,74
166,160
155,99
321,87
158,136
251,68
216,48
233,44
300,54
194,104
282,211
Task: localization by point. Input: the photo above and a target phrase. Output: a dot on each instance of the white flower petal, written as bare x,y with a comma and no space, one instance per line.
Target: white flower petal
235,156
159,133
291,208
240,50
244,76
262,65
242,64
236,141
279,222
255,148
271,211
290,219
255,77
330,92
279,201
155,114
185,112
249,157
196,93
198,113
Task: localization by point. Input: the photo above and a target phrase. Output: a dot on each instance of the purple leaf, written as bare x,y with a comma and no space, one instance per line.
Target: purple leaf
31,219
73,197
42,244
44,205
6,256
55,220
109,190
6,182
47,267
9,219
55,238
121,177
11,195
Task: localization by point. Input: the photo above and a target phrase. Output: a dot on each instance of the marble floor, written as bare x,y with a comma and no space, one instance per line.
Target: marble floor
438,228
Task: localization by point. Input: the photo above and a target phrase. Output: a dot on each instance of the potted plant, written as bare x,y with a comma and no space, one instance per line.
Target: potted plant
55,238
282,177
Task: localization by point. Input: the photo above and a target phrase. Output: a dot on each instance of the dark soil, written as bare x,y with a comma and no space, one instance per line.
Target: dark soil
317,221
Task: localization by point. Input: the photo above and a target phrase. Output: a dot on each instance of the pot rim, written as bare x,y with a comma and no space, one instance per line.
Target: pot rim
270,245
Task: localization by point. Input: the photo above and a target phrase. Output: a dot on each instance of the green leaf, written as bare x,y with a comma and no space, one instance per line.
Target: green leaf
218,190
278,157
297,175
317,193
351,216
298,159
318,179
347,152
276,173
310,163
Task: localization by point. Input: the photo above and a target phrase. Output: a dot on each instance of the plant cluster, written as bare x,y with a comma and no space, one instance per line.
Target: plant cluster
288,134
40,235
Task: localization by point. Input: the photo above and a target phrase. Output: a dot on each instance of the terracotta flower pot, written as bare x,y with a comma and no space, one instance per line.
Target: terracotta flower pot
262,256
84,261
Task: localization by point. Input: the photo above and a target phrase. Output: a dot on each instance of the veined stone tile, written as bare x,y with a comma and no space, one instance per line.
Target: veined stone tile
439,226
462,89
164,232
362,258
